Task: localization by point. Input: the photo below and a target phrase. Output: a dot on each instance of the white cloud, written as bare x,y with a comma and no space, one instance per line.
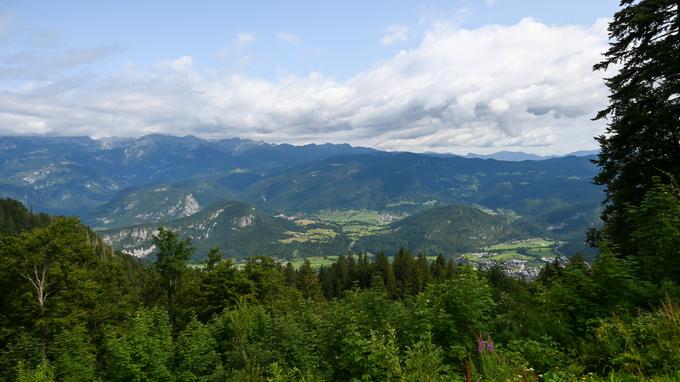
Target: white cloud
394,34
288,38
527,86
182,64
243,40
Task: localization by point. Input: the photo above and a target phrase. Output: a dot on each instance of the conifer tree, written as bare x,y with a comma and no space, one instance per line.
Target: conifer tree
214,258
383,268
438,268
364,271
422,273
307,282
289,274
340,275
656,233
171,263
404,272
642,139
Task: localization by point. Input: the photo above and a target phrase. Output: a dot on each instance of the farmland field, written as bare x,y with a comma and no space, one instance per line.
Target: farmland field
520,256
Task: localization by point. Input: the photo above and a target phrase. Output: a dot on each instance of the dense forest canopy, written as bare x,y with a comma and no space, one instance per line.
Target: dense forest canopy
106,316
71,309
15,217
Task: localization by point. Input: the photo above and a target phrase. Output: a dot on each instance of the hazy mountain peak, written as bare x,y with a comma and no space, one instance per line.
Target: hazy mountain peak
509,156
514,156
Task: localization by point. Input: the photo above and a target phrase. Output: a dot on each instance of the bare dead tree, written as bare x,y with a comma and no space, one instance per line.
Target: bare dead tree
38,280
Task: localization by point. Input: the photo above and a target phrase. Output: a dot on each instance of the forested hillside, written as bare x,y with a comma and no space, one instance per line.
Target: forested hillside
71,312
417,286
127,188
73,175
15,217
449,229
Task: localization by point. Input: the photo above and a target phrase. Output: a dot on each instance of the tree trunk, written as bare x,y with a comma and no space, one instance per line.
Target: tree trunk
171,304
39,282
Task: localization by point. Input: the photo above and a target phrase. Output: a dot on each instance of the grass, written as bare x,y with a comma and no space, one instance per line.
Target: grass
532,251
313,235
356,224
352,216
356,231
305,222
510,255
315,261
541,252
523,244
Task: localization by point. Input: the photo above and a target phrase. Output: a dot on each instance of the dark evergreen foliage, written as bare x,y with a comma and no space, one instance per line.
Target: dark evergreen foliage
15,217
642,140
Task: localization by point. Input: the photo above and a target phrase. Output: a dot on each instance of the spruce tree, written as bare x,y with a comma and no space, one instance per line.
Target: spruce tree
382,267
642,139
307,282
422,273
214,258
171,261
405,272
438,268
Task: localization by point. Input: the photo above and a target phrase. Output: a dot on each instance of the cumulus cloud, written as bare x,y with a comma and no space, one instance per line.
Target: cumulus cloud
288,38
182,64
525,86
394,34
243,40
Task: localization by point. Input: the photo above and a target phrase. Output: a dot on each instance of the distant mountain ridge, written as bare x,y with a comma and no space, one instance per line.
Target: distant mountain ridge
241,229
448,229
406,181
522,156
76,174
120,183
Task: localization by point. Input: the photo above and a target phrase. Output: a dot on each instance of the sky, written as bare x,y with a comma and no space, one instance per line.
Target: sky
452,76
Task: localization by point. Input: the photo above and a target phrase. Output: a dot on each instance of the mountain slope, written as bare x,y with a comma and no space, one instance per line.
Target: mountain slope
241,230
118,183
15,217
238,229
404,181
449,230
556,193
159,202
70,175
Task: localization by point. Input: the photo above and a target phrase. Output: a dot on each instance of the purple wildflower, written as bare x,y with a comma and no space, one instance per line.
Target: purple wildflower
481,345
484,345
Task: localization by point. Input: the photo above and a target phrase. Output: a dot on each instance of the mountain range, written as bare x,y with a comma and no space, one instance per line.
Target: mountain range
520,156
299,197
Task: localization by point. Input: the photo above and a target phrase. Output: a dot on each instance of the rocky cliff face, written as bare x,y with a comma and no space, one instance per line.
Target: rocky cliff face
237,228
